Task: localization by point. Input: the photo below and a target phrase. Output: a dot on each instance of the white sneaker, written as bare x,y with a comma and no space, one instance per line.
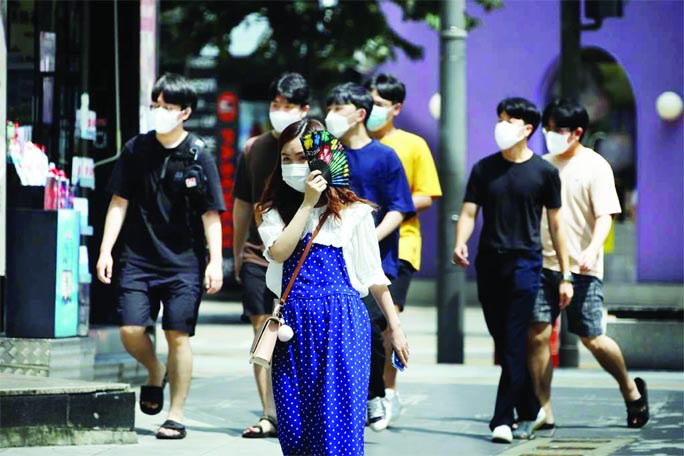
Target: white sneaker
502,434
376,414
393,406
540,420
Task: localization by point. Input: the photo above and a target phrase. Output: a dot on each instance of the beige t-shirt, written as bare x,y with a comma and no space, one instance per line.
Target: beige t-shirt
587,192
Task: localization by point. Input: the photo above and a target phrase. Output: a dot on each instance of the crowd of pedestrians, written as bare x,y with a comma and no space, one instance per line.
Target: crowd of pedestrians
327,213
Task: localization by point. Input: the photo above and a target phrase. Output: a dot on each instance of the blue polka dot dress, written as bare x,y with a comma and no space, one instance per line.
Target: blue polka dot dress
320,377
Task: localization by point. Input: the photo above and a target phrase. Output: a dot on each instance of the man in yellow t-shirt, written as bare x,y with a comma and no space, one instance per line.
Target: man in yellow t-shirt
388,97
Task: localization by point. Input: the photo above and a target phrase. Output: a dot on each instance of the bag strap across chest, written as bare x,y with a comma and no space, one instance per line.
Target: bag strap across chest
302,258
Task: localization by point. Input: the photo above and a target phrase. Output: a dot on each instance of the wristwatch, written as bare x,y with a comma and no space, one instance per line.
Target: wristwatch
567,278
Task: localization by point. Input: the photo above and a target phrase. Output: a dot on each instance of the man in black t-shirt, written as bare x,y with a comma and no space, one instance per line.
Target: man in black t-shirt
289,95
166,200
512,186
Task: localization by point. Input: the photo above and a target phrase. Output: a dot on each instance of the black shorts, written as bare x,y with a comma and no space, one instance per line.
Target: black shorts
257,299
141,292
377,318
400,285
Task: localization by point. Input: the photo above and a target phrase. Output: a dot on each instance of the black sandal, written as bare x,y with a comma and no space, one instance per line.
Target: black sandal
173,426
637,411
248,434
153,395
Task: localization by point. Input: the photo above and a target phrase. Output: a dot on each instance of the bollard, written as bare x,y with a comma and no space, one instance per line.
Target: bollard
554,342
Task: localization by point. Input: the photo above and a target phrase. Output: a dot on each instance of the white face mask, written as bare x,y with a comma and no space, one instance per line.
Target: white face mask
337,124
557,143
280,120
164,121
378,117
295,175
507,134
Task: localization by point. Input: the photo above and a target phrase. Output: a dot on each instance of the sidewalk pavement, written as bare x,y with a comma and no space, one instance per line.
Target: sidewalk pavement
447,407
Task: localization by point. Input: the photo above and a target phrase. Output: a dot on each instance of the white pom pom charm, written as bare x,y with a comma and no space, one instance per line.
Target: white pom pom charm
285,333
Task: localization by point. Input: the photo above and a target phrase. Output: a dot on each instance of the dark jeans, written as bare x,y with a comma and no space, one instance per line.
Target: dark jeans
376,384
507,284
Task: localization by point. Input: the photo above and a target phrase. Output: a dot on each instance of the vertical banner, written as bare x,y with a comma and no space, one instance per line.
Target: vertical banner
3,139
148,59
227,114
202,74
66,277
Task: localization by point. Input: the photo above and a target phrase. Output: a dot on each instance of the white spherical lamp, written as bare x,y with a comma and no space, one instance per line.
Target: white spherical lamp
435,105
669,106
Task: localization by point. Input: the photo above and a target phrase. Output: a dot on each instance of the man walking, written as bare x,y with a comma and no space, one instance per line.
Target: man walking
388,97
589,203
512,186
289,95
376,174
166,198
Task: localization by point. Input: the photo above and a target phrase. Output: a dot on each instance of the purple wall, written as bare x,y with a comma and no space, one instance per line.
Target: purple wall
648,42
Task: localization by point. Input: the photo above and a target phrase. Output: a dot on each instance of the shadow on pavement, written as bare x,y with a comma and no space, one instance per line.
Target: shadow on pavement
456,418
141,431
479,437
233,432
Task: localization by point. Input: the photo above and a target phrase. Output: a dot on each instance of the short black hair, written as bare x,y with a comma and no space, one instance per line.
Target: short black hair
292,86
520,108
566,113
351,93
388,87
176,89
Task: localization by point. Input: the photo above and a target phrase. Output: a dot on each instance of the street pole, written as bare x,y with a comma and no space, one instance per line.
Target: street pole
451,165
571,61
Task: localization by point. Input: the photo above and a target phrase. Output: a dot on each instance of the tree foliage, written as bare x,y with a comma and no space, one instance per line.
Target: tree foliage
351,37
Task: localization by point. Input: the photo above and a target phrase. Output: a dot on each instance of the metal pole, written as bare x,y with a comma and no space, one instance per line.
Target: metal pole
451,160
571,61
117,92
3,143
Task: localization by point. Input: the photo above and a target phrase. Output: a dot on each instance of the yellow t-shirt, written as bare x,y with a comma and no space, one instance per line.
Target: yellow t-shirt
421,173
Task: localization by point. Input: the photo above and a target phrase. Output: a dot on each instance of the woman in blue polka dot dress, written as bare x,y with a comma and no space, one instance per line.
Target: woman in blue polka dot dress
320,376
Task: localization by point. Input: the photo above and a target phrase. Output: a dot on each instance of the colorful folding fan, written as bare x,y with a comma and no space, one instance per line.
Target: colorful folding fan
325,153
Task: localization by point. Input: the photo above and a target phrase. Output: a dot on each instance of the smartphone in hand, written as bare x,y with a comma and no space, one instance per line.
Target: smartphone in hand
396,363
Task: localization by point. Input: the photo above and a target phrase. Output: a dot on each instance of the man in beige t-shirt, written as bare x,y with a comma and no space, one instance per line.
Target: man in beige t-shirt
589,201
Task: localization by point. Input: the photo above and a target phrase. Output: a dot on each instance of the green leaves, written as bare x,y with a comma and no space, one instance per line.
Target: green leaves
352,36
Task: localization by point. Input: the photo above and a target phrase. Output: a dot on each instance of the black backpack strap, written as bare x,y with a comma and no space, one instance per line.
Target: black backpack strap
197,146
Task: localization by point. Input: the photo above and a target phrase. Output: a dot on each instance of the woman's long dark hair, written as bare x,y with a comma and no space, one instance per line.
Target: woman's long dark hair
287,200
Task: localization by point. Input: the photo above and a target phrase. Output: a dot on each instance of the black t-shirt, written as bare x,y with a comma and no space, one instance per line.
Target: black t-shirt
512,196
163,229
255,166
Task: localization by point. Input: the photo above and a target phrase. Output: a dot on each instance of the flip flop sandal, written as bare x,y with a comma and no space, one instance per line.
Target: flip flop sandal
637,411
153,395
173,426
249,434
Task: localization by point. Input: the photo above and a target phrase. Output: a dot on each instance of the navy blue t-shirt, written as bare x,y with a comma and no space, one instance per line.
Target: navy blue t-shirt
376,174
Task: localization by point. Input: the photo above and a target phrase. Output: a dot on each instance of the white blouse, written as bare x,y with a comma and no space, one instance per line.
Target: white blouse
354,233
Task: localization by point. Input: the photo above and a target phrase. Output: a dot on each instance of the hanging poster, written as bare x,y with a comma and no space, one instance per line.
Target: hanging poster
66,278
